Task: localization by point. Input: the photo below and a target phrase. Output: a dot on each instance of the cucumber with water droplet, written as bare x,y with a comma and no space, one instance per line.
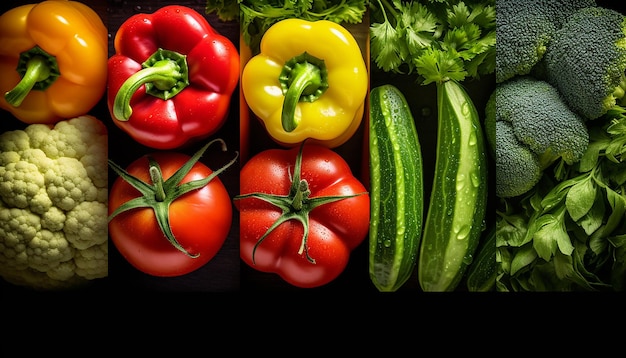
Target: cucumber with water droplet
456,212
396,189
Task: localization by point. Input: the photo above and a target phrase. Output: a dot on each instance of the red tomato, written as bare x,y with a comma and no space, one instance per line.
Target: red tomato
199,220
334,228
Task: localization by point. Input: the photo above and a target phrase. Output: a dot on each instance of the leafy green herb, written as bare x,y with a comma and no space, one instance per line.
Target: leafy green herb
568,233
256,16
440,40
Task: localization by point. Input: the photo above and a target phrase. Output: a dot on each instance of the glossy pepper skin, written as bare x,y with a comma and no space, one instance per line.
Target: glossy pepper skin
308,81
171,78
53,60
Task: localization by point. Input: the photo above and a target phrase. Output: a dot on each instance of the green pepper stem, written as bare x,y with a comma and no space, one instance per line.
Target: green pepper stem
303,78
38,70
164,74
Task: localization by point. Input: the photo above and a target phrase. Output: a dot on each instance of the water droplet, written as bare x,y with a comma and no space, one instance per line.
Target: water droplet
462,232
475,178
387,243
460,182
472,139
466,109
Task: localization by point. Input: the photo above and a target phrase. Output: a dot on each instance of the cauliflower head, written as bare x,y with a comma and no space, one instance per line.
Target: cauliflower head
53,204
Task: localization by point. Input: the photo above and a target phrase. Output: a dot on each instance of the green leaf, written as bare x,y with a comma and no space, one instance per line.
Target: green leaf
464,31
580,198
226,10
439,66
552,234
618,268
563,266
458,15
590,158
597,244
419,27
385,43
525,256
618,241
511,230
504,258
594,218
559,192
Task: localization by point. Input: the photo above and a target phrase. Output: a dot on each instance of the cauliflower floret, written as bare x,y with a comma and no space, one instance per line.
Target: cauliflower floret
17,228
84,226
62,141
63,272
68,184
23,186
37,157
53,219
48,249
91,263
14,141
53,204
96,164
8,157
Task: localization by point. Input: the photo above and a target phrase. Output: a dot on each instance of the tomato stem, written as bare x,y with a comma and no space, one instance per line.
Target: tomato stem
301,195
157,180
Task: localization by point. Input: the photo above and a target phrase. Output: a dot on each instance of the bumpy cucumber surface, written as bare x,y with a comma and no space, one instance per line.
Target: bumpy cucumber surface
396,189
456,212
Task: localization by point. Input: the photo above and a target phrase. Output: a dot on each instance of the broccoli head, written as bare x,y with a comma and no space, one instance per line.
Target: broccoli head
537,129
586,61
524,29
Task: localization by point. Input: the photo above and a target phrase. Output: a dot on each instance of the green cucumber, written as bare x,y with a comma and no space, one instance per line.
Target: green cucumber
482,272
456,211
396,189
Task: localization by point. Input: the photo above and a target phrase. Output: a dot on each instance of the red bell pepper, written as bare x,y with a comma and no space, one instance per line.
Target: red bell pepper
172,77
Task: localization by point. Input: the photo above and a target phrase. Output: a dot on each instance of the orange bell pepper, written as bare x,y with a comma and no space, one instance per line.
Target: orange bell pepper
53,60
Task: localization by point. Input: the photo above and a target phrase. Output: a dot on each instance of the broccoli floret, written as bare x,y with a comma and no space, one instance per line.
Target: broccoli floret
517,168
524,29
586,61
537,129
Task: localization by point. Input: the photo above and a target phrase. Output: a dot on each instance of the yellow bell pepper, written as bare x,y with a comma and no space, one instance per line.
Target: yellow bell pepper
53,60
309,81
